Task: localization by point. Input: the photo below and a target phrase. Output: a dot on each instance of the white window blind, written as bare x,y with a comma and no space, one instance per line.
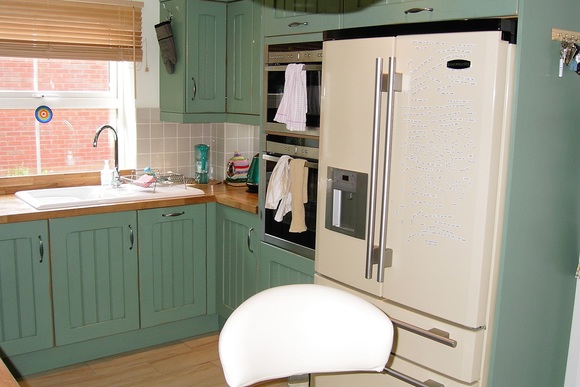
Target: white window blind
71,29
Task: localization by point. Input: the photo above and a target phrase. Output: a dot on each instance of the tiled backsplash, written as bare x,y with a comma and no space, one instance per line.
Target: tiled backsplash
169,146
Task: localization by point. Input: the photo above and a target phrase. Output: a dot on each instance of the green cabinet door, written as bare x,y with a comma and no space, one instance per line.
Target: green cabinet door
25,305
237,251
196,90
285,17
172,264
94,276
376,12
280,267
244,45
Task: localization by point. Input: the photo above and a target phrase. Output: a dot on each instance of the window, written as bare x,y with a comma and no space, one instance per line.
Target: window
67,77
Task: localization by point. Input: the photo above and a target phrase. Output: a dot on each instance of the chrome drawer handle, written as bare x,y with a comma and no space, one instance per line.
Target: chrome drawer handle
171,214
410,380
434,334
297,24
417,10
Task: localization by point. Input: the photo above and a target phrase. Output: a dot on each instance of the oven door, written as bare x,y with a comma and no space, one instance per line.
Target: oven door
274,87
277,233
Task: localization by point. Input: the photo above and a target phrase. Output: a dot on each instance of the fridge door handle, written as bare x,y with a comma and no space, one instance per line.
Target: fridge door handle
374,168
392,86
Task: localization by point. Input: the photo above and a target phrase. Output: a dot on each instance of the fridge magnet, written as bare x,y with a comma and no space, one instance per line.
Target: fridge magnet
43,114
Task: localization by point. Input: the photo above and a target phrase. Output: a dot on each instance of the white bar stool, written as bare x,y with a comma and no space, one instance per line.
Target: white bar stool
302,329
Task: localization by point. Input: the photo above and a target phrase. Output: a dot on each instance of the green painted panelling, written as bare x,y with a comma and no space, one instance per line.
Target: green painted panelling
25,305
541,229
94,276
172,264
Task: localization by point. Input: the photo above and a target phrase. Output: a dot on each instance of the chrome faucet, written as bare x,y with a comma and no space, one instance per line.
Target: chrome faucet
116,139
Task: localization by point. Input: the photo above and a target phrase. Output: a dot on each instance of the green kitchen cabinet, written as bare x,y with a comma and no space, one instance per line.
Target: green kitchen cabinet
25,303
196,90
244,48
280,267
376,12
172,264
287,17
94,276
237,253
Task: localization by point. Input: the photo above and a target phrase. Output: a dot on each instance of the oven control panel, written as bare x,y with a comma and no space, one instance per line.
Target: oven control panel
292,150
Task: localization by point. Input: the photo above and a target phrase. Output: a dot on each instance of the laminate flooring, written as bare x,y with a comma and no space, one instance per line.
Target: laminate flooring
189,362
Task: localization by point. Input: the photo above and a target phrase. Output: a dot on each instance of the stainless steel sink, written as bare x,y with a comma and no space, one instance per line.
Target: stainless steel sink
53,198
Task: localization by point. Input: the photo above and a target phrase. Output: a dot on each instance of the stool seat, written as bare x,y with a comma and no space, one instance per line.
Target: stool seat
302,329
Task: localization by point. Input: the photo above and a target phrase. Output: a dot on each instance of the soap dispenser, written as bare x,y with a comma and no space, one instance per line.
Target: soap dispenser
106,174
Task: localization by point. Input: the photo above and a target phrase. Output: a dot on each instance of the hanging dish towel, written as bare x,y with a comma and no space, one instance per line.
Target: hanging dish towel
299,194
278,191
293,107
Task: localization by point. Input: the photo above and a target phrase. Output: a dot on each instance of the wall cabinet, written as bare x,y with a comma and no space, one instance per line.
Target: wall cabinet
172,264
198,83
237,252
25,305
280,267
94,276
376,12
287,17
244,48
217,75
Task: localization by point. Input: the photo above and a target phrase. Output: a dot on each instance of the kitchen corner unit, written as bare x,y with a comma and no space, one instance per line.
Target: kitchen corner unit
217,74
196,91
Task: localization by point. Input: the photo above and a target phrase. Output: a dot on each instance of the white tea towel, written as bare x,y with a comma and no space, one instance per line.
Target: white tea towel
293,107
299,191
278,191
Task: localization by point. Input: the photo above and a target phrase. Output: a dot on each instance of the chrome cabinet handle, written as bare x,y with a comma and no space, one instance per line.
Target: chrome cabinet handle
170,214
417,10
434,334
410,380
194,89
41,248
374,168
131,237
250,239
297,24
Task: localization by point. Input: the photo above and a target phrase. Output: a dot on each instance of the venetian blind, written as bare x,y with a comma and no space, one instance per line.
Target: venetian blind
71,29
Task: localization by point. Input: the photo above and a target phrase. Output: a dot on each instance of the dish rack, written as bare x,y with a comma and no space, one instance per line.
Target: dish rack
149,179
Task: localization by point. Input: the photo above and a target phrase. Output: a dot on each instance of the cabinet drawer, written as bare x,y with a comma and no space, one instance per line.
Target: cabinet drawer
286,17
461,362
372,12
401,366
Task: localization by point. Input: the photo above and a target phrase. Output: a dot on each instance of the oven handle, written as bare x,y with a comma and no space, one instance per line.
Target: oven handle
308,164
307,67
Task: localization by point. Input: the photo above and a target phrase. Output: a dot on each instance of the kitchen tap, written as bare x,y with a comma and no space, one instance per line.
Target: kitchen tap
116,139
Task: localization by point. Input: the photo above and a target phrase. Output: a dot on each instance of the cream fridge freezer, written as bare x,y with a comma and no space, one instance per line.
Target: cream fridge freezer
414,138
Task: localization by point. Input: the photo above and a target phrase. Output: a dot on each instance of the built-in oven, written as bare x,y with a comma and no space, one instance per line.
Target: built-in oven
278,57
278,232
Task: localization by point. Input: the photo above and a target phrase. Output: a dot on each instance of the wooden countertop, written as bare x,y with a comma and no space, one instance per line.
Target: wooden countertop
6,378
13,209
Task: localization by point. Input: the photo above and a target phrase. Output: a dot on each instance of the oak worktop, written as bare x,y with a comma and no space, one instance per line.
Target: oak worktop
13,209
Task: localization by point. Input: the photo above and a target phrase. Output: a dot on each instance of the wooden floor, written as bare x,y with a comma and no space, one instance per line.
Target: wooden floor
193,362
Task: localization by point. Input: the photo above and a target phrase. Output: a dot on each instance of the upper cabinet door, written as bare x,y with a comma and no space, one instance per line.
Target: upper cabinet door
360,13
243,53
197,84
206,35
285,17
